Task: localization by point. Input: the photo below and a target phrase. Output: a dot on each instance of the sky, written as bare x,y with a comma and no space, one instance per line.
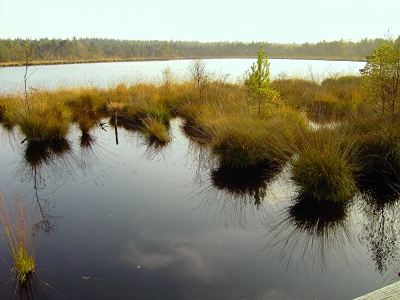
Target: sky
277,21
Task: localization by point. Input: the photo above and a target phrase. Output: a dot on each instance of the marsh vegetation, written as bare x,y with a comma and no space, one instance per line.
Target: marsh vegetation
330,136
18,223
258,121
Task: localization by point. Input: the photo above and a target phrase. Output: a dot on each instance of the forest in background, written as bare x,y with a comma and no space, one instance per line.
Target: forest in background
97,49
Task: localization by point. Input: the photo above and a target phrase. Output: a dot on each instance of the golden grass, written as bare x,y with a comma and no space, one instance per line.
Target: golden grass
155,128
21,239
46,120
8,106
325,164
336,97
379,138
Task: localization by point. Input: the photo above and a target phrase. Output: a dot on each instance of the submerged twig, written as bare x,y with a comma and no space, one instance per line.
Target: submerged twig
88,278
52,288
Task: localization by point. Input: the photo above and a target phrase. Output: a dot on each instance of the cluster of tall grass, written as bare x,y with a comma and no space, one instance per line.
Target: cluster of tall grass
325,164
51,112
20,235
379,138
335,97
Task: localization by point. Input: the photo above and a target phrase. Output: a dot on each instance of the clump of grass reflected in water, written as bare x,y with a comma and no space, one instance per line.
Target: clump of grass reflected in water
311,230
42,161
237,197
90,154
47,160
154,149
37,153
251,182
31,289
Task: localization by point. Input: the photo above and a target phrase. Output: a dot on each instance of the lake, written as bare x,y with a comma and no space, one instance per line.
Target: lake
106,74
136,220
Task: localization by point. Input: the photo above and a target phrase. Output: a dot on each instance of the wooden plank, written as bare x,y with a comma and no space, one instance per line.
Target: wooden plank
388,292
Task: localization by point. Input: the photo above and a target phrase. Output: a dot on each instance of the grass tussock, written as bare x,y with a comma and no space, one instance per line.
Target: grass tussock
46,120
155,128
8,106
21,239
379,138
248,142
335,98
325,165
240,145
84,100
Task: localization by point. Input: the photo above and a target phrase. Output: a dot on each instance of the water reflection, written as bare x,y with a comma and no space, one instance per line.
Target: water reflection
311,232
251,182
91,154
154,148
114,122
380,205
47,159
234,195
185,255
43,161
122,123
31,289
58,160
55,161
7,132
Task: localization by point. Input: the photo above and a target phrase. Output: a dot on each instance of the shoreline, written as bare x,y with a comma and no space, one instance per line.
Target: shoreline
142,59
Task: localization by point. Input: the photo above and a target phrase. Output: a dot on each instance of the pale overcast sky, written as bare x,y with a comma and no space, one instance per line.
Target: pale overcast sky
279,21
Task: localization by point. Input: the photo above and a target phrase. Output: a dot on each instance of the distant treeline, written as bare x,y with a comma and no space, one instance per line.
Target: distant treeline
96,49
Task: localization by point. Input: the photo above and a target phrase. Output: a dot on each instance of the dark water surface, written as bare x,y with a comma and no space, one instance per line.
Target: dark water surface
138,221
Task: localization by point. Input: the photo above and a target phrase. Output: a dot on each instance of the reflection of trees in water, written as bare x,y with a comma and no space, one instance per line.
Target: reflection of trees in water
43,161
381,208
309,232
53,163
48,223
